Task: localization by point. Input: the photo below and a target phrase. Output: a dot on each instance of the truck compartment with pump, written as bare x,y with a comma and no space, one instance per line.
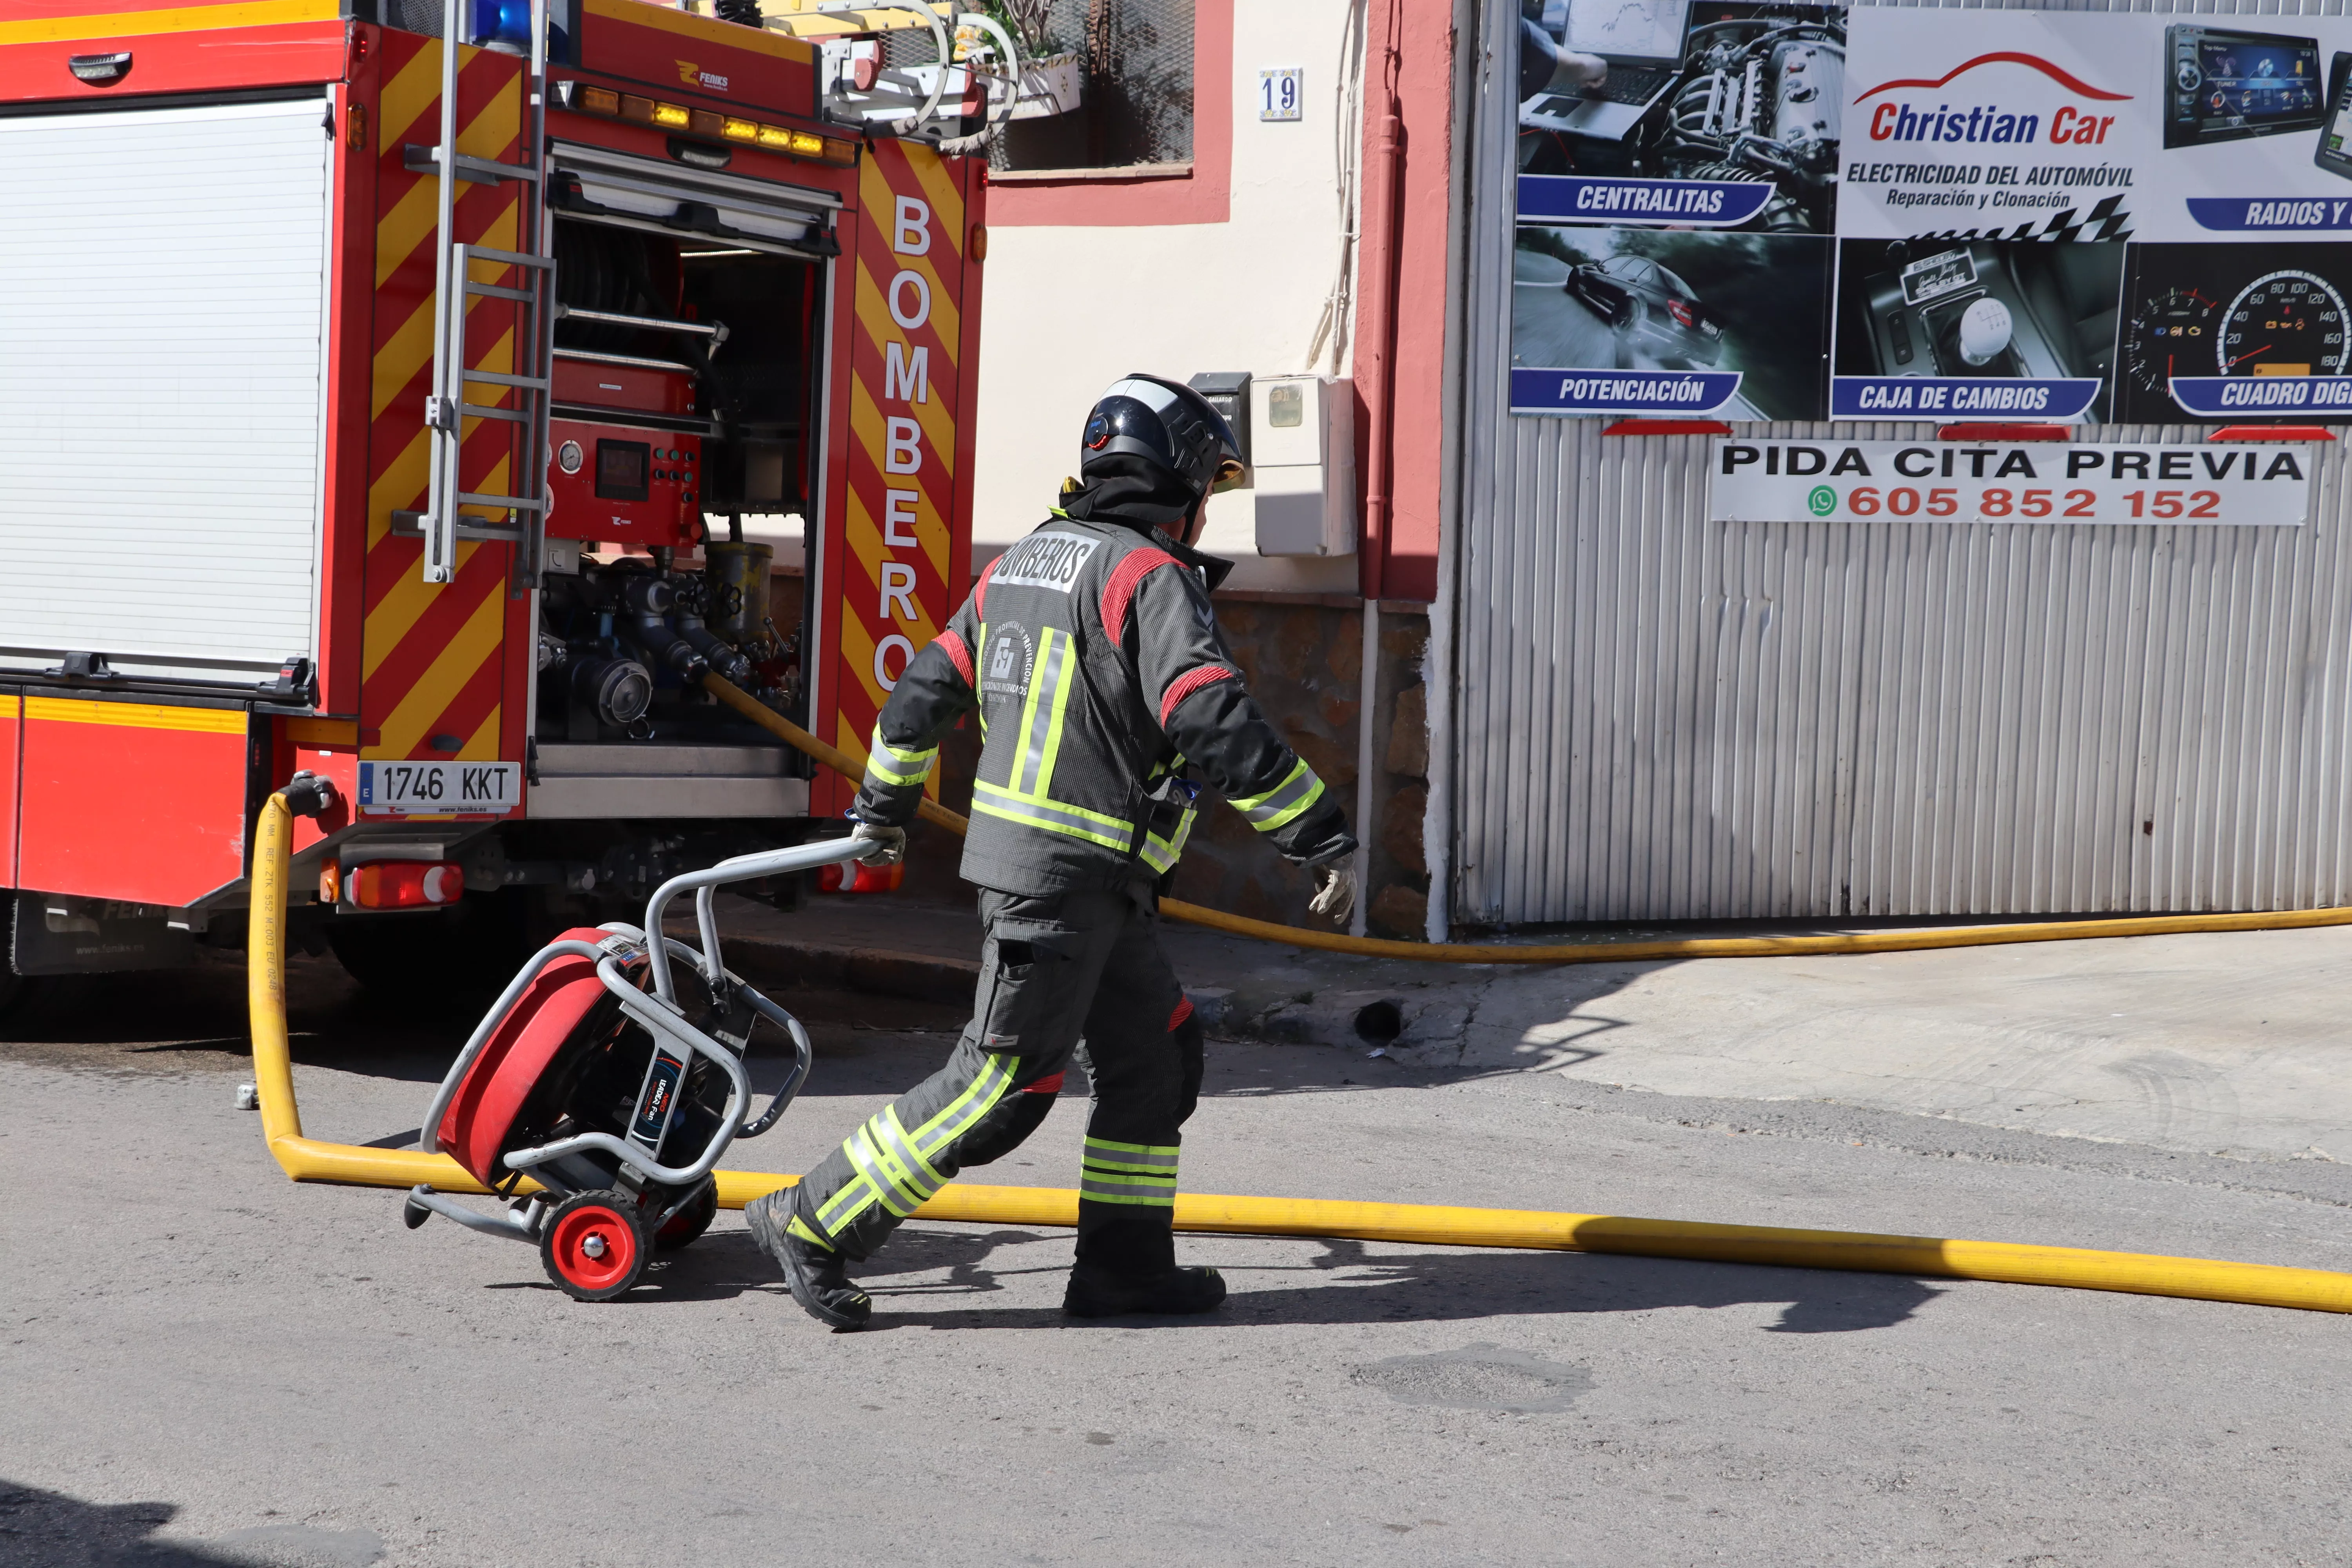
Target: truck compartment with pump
389,407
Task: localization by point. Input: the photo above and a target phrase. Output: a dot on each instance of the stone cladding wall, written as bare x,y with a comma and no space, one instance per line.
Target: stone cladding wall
1303,659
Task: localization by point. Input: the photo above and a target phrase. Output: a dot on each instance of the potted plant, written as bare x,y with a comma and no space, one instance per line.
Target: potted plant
1053,80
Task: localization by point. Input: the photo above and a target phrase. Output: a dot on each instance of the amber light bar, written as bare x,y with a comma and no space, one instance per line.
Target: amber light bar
616,105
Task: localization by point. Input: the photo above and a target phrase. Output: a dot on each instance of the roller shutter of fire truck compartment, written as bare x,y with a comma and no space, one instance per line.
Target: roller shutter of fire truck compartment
161,402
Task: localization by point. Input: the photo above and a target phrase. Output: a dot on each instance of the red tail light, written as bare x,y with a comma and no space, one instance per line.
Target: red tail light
854,877
406,884
1681,312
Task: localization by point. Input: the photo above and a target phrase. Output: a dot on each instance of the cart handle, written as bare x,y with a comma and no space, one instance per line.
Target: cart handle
741,869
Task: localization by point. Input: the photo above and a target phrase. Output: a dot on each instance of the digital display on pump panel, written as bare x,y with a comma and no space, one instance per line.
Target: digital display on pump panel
624,469
2109,216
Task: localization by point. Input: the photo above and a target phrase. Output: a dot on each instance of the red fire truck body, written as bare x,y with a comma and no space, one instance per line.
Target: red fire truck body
263,509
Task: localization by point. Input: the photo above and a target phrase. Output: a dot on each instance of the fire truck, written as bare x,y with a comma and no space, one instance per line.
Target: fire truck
385,383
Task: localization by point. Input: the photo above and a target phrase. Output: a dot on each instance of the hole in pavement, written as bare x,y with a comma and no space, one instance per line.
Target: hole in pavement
1379,1022
1478,1377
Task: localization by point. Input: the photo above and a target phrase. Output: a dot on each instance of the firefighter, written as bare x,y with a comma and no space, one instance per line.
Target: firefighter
1092,657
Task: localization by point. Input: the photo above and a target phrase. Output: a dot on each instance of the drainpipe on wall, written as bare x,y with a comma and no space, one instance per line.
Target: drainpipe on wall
1376,266
1472,44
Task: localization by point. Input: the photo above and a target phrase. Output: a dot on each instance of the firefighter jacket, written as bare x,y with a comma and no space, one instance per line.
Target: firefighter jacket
1092,657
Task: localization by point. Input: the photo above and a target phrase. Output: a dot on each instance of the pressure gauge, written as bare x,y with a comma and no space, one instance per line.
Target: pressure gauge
568,456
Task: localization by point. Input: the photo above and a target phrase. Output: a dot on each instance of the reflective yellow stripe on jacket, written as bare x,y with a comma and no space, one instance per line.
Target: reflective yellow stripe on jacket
1298,790
1051,816
888,768
1159,854
1027,799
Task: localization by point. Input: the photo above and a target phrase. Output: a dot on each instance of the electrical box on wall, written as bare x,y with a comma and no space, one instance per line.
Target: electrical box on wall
1228,392
1303,464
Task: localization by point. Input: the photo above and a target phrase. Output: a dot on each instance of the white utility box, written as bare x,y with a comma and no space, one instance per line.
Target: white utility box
1303,464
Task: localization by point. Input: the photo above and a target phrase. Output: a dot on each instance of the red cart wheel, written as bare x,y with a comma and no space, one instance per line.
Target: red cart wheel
592,1246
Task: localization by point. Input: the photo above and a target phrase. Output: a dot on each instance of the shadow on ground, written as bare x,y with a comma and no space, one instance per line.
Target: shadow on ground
939,1279
50,1530
193,1020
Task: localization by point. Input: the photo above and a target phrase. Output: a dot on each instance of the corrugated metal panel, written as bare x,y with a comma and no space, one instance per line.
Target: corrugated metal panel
1659,718
160,407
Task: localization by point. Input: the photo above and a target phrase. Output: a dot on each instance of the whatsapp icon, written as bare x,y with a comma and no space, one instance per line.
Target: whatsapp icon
1824,500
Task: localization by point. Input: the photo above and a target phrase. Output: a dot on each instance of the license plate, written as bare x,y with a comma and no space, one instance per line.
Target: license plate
439,789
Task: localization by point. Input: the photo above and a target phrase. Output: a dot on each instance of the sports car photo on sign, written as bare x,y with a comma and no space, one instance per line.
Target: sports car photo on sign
1669,299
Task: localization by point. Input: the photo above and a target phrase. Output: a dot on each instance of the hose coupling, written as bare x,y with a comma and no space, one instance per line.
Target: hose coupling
308,795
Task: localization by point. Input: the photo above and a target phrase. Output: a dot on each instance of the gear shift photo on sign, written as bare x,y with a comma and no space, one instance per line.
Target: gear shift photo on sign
1985,330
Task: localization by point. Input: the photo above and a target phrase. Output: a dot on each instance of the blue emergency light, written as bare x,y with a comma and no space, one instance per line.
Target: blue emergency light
502,22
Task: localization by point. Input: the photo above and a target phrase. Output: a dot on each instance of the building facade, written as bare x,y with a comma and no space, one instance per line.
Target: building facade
1561,682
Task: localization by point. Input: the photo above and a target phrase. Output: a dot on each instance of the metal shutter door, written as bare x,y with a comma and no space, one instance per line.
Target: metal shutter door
161,306
1661,717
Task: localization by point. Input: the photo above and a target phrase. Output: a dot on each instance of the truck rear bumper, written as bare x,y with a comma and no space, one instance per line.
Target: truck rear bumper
641,781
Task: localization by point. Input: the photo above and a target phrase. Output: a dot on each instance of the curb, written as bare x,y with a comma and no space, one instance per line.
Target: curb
880,971
1332,1018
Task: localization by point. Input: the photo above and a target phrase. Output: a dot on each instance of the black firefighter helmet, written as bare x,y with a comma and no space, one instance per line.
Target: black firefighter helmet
1166,424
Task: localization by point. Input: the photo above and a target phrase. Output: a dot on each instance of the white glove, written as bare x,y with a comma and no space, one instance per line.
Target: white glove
890,844
1335,891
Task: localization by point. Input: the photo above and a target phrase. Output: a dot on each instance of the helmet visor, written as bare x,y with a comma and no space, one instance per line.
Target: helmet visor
1229,476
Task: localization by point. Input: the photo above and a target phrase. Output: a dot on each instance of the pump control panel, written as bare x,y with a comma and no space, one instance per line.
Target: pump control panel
624,484
626,445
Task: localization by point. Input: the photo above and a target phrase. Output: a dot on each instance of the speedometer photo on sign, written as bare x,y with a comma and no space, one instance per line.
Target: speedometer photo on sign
2283,323
2275,310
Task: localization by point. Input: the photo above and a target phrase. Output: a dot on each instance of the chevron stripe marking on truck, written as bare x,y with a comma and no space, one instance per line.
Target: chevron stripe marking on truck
904,589
435,658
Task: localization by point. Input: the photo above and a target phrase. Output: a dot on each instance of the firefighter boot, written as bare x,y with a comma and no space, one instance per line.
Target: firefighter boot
1098,1293
817,1274
1128,1265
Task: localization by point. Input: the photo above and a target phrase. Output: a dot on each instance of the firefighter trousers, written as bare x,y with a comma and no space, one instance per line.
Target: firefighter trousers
1080,972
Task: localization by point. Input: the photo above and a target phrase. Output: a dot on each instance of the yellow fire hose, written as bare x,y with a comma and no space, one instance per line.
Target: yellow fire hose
852,766
2255,1284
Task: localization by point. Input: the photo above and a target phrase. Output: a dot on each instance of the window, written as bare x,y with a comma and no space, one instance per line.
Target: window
1131,61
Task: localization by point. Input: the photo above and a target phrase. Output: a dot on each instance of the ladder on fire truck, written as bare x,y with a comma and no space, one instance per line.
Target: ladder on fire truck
524,393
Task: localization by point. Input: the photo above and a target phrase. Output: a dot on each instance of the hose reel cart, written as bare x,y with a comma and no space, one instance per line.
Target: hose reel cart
590,1076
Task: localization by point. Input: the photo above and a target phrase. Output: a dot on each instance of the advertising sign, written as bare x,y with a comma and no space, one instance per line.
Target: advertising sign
1678,165
1797,212
1953,481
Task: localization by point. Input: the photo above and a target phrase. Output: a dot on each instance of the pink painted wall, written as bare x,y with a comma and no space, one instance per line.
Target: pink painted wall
1199,196
1409,59
1418,35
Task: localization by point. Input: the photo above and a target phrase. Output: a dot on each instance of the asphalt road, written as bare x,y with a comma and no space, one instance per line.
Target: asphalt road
207,1364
